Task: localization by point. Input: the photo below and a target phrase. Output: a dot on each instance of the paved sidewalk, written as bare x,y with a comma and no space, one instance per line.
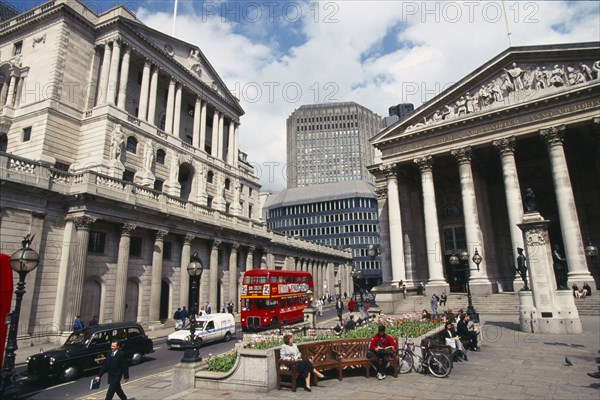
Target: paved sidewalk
512,365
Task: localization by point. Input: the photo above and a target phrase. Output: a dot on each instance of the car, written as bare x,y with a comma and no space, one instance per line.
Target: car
85,350
209,328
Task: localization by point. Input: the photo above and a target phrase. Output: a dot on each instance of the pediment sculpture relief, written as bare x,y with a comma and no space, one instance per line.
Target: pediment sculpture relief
514,85
195,62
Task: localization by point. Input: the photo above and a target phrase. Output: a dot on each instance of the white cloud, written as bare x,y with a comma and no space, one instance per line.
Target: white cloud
339,55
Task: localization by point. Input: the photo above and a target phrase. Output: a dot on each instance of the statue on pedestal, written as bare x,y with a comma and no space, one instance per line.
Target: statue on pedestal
522,267
530,200
560,268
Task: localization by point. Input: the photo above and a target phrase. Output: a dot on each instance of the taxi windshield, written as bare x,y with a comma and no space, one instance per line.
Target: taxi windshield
77,338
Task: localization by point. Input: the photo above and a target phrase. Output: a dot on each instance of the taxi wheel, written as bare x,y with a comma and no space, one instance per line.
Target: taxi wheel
70,373
136,358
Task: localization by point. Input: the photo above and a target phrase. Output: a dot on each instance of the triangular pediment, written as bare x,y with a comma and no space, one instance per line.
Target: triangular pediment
187,55
516,77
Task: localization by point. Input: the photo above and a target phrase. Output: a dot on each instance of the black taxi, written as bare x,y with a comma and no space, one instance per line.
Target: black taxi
86,350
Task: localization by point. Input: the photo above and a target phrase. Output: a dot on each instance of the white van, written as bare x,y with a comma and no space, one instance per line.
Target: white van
209,328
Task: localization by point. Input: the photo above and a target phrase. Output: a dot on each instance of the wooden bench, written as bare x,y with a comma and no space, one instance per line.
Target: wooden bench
437,344
326,355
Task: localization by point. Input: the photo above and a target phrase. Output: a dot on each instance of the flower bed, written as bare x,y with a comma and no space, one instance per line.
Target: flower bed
409,325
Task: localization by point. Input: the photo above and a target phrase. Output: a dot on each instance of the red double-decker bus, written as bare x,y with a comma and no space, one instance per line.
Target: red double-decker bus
273,298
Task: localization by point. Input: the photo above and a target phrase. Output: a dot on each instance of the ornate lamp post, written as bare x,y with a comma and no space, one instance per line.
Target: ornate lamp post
355,275
191,353
590,249
23,261
464,258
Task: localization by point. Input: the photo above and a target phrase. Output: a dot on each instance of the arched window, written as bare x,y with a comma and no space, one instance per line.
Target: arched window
160,156
209,177
227,184
132,144
3,142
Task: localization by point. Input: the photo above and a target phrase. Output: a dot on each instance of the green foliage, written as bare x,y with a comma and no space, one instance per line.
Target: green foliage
222,362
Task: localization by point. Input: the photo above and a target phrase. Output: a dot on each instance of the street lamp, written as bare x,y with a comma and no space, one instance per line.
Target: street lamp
464,258
191,353
590,249
355,275
23,261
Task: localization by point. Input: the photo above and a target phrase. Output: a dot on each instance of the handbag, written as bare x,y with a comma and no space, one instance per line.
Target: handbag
451,342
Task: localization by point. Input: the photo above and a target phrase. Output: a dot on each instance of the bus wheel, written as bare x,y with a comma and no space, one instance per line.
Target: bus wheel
274,323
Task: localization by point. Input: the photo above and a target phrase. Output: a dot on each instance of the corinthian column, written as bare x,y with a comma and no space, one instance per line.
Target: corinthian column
395,225
170,106
152,96
82,225
514,202
250,258
196,126
143,104
432,233
103,85
233,259
113,79
214,275
567,212
469,202
155,284
215,135
177,110
123,79
184,277
121,279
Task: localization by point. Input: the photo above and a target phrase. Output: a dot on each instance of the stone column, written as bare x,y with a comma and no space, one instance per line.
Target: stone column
113,75
435,258
215,135
233,259
10,97
143,103
202,139
514,202
469,202
77,270
152,96
214,275
177,111
236,138
395,225
221,136
250,258
124,78
155,284
62,285
196,127
567,212
230,143
121,278
170,106
184,277
103,86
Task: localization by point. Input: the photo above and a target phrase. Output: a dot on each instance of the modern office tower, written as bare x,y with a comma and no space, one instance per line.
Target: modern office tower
341,214
329,143
119,152
396,113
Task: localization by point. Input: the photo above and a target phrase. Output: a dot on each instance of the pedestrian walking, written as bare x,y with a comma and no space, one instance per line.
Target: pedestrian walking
223,309
230,307
116,366
177,318
319,307
434,305
339,307
77,323
207,308
184,315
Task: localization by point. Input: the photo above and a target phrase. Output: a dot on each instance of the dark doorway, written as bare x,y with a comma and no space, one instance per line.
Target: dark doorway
164,301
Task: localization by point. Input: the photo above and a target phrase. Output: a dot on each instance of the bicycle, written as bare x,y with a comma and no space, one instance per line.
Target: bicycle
437,363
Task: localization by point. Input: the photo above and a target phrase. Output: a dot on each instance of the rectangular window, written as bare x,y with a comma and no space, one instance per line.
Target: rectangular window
128,175
27,134
17,48
158,185
62,166
135,247
97,242
190,110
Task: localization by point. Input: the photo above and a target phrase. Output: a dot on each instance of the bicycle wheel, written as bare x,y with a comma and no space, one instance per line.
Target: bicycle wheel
406,361
439,365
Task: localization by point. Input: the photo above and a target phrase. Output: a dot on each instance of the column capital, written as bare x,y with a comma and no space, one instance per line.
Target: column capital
505,146
126,229
424,163
216,244
83,222
235,247
389,170
251,249
381,193
553,135
160,234
462,155
188,239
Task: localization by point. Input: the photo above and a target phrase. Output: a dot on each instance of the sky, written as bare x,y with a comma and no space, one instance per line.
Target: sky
278,55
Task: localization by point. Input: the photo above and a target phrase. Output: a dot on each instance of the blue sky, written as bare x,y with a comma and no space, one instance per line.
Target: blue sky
277,55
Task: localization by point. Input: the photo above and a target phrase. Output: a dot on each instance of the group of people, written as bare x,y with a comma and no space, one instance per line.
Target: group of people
182,314
363,309
585,291
78,323
464,330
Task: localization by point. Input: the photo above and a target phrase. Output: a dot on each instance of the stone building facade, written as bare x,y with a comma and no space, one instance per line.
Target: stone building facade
119,151
453,175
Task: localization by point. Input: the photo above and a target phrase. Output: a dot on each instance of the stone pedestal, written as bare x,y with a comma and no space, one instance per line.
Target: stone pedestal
116,169
388,298
184,376
546,310
309,316
144,178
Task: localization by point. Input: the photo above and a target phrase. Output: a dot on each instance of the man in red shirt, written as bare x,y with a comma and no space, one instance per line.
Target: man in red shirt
381,349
